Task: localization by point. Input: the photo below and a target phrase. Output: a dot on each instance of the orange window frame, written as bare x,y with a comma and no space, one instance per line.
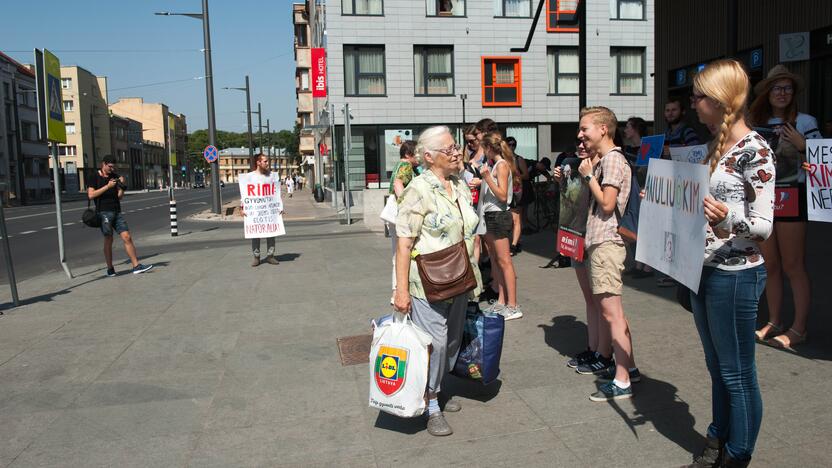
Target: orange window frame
557,11
518,80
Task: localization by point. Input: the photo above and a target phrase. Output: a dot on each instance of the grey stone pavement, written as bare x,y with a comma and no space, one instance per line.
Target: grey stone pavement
206,361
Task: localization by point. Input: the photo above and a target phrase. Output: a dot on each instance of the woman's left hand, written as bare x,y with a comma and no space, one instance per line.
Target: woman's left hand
715,211
794,137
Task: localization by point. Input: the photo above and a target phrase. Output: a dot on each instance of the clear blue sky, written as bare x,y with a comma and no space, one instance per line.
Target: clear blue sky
124,41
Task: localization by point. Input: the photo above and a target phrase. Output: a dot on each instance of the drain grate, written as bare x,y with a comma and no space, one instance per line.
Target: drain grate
354,349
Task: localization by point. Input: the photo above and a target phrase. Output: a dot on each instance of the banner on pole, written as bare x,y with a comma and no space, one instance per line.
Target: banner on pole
651,148
574,210
819,184
690,154
671,231
172,139
318,72
261,201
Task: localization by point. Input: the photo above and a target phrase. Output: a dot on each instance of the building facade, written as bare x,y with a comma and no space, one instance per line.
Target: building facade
120,148
404,65
236,161
763,35
87,126
24,157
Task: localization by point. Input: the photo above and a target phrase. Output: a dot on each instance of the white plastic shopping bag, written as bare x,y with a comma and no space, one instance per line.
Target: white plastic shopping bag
399,367
390,210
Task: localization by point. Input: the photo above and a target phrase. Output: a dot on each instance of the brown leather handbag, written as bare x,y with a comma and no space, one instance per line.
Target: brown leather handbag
446,273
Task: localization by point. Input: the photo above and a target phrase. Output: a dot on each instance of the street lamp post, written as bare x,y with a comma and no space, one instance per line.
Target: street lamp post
247,89
209,94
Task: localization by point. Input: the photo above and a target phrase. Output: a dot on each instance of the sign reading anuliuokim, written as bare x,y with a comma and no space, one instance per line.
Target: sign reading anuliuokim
819,184
671,228
260,198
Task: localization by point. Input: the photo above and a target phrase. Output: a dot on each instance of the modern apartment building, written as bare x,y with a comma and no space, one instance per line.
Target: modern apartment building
303,78
404,65
87,126
24,164
163,127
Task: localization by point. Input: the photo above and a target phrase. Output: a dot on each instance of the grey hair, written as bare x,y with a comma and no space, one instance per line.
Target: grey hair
429,141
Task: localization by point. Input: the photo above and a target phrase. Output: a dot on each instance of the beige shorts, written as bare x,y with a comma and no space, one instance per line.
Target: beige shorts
606,264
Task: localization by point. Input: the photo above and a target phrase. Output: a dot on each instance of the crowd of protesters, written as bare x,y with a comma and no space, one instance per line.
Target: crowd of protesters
476,194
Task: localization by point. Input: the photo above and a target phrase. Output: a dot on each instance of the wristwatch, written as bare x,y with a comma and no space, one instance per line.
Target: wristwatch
587,178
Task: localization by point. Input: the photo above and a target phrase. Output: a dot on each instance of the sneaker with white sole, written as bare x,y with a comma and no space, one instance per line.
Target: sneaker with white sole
610,391
609,374
511,313
582,358
141,268
596,366
495,308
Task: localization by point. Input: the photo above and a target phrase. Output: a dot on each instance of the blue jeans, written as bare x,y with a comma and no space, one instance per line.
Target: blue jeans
112,221
725,312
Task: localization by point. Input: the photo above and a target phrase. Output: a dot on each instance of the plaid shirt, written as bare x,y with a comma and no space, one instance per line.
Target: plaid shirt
612,171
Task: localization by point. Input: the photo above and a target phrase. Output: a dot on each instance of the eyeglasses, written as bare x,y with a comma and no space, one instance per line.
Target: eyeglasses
788,89
695,98
451,151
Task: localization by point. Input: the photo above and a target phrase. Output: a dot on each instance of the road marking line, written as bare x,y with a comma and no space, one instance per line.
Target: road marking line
69,224
49,227
26,232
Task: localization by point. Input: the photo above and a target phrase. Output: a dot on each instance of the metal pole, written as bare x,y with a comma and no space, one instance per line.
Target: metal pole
581,55
332,155
248,114
59,215
216,203
8,252
269,143
259,127
347,148
463,97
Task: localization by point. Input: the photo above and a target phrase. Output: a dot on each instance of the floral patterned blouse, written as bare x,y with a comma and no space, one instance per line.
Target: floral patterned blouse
404,172
743,180
429,214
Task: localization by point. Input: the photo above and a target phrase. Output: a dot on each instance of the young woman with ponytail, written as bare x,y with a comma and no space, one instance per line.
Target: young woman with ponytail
739,211
495,220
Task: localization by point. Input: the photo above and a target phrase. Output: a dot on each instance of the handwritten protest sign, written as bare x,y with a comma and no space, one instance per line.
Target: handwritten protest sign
819,180
260,198
574,209
689,154
671,228
651,148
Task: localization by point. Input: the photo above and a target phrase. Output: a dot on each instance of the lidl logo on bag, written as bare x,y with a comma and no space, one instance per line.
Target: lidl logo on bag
390,369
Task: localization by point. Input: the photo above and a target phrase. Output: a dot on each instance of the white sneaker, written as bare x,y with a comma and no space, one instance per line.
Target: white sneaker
511,313
495,308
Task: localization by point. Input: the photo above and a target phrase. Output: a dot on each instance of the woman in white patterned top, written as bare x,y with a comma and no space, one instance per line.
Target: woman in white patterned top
739,211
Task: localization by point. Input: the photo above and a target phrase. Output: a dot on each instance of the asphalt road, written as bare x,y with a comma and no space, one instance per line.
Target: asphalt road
34,239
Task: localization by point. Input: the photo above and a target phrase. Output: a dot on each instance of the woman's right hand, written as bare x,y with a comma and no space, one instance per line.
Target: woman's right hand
475,182
557,174
401,300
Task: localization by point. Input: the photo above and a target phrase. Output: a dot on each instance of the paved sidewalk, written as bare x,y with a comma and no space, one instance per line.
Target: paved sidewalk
205,361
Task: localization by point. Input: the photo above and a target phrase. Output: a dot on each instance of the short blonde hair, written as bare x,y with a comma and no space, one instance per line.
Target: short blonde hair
429,141
601,116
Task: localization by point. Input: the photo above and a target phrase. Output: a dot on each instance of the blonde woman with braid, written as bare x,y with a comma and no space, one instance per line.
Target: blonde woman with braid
740,212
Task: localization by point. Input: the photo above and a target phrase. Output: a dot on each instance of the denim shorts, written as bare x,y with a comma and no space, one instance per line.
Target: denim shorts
112,221
498,224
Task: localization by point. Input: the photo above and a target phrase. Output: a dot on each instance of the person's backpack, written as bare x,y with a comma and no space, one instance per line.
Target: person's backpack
628,221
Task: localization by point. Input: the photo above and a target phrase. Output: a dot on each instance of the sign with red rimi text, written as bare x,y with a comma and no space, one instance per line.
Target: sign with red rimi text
318,72
262,205
819,180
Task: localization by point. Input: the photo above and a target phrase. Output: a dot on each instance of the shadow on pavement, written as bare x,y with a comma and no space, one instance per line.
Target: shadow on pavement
565,335
287,257
49,296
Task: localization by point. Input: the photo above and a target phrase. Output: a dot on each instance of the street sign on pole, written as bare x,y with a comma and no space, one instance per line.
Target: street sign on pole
210,154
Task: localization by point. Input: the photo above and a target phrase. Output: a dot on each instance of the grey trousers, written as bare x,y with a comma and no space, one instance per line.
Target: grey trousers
255,246
444,322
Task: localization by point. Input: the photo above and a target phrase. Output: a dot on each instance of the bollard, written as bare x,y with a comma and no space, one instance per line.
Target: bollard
174,230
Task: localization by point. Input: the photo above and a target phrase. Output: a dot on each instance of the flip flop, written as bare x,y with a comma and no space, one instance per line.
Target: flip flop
780,343
774,330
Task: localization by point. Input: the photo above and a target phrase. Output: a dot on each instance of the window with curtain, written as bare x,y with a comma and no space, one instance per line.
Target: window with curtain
526,137
627,65
362,7
562,15
627,9
433,70
513,8
364,71
501,82
564,72
445,7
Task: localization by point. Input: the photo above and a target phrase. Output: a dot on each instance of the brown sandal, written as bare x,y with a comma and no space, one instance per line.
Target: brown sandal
779,342
773,330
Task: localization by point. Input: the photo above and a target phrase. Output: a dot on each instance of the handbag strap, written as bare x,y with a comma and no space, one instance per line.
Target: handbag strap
461,217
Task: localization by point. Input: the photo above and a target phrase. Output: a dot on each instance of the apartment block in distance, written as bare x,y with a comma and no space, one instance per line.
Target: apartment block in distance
404,65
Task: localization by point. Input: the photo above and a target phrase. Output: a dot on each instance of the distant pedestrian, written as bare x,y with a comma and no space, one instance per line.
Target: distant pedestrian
107,189
262,175
402,174
434,214
290,186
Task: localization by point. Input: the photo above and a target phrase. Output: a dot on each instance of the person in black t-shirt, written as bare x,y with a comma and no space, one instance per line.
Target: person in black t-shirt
106,189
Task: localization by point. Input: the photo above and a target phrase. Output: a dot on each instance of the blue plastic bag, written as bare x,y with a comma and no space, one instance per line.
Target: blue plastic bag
482,346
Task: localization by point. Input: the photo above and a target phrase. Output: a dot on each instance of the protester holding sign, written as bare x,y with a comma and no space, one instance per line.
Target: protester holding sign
608,180
739,211
261,206
774,114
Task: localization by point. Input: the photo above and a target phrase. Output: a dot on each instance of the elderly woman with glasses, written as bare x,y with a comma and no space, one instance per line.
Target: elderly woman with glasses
435,213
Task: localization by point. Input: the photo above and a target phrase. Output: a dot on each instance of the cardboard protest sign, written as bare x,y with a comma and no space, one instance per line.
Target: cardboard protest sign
651,148
261,201
574,209
819,180
671,228
690,154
